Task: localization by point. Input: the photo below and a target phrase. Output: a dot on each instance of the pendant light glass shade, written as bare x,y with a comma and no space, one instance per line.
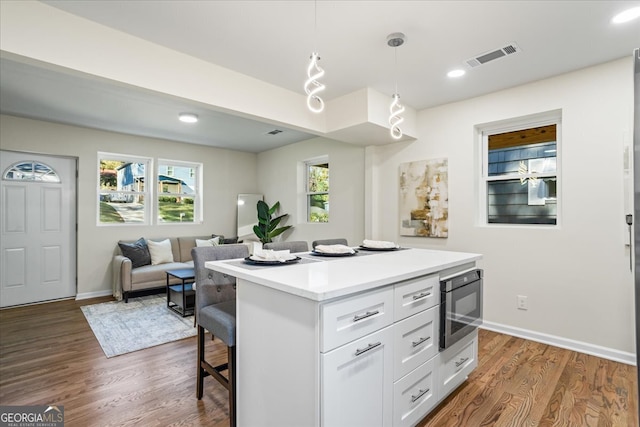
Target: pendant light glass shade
312,86
395,118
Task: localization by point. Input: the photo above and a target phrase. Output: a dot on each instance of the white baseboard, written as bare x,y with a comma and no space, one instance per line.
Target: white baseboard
579,346
87,295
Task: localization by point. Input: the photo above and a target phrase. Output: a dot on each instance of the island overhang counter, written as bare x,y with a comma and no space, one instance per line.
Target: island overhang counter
328,341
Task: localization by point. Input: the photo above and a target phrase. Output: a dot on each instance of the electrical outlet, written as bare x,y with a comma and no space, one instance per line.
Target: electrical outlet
522,303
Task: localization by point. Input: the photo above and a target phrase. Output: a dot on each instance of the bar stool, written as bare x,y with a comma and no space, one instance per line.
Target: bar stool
215,311
339,241
293,246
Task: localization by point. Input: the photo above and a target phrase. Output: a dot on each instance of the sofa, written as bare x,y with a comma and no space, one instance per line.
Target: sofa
132,274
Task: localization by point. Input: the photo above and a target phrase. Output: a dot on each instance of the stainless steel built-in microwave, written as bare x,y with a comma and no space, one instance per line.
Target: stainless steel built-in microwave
460,306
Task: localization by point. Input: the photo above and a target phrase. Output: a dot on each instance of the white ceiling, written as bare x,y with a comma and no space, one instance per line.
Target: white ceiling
272,40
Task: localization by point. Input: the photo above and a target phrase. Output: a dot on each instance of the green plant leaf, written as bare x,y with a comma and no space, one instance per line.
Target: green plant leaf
274,208
258,232
274,223
280,230
263,210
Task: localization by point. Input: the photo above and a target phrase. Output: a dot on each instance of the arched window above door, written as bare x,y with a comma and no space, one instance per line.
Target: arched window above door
30,170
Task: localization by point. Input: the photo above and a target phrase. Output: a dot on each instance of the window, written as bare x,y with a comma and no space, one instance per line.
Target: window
179,194
31,171
520,175
122,194
317,190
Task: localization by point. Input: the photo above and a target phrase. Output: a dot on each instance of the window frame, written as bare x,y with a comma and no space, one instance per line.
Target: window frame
307,164
197,168
483,177
147,193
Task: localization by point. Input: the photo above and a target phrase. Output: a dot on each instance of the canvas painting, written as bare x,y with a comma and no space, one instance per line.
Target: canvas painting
424,198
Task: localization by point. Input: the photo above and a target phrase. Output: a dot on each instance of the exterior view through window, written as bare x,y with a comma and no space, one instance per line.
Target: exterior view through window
318,191
122,192
521,176
178,186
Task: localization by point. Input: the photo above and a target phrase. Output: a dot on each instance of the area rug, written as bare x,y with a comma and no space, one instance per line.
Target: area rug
141,323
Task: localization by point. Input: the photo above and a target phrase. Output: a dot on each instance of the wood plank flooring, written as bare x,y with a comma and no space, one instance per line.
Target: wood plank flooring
48,355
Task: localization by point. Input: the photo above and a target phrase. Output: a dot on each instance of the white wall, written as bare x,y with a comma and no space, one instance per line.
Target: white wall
576,276
280,179
226,173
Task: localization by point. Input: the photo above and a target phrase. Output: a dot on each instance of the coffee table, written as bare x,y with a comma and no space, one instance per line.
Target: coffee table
181,298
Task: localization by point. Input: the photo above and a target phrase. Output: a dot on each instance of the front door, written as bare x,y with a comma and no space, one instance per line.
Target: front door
38,228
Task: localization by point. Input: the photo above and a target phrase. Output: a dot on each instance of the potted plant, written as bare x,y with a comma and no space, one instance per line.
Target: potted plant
267,227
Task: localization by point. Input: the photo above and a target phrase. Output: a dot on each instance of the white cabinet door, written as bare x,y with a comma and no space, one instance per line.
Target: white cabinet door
357,382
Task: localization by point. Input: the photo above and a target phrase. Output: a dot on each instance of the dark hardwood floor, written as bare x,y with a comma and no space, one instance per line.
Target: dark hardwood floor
48,355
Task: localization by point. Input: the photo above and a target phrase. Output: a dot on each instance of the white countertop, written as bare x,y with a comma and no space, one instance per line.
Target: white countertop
323,278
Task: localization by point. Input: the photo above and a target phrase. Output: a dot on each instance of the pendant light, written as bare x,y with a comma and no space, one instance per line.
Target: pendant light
396,109
312,86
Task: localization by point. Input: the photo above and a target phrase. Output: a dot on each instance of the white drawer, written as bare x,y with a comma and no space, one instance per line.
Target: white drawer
415,395
413,296
457,362
351,318
415,341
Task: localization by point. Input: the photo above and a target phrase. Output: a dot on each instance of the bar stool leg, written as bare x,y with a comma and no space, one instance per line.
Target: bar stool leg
231,351
201,372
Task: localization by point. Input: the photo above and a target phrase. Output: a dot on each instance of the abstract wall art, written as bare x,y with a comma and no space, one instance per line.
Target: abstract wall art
424,198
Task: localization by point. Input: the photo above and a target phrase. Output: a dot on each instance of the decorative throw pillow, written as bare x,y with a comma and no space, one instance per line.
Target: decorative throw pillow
137,252
211,242
160,251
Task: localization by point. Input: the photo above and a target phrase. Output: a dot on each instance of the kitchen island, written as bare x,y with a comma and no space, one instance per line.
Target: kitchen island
346,341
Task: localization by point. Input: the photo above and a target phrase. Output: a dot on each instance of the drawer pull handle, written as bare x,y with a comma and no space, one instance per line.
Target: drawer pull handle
461,362
420,394
422,295
420,341
358,317
359,351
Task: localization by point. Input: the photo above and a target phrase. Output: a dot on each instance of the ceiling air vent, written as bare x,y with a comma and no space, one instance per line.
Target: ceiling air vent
274,132
483,58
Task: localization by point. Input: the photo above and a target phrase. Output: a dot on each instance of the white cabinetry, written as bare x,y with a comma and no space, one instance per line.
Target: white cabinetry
457,362
357,382
357,376
415,341
415,389
352,318
415,394
413,296
344,342
380,355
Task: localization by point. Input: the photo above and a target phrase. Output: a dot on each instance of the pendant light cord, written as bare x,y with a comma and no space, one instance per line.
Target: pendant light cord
395,50
315,25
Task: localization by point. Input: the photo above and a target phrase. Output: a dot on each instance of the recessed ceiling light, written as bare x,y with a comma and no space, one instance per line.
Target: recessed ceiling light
188,117
456,73
627,15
